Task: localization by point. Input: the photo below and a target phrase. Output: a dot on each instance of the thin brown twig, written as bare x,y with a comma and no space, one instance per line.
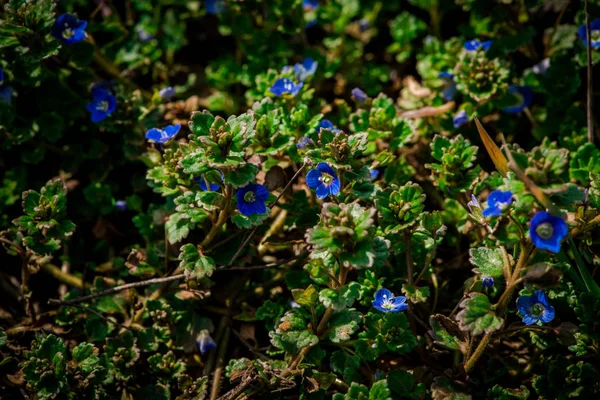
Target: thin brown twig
590,119
116,289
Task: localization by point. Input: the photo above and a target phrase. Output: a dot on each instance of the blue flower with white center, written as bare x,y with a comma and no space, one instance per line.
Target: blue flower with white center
102,105
475,44
385,301
213,186
162,136
324,180
121,205
460,119
535,308
547,231
374,174
449,85
359,96
205,343
306,69
497,202
304,142
327,124
594,32
285,86
214,7
251,199
68,29
523,96
487,281
310,5
166,93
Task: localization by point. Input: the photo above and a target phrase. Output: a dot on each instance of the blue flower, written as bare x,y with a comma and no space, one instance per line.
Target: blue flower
304,142
306,69
523,95
363,24
497,202
214,7
327,124
285,86
475,44
374,173
166,93
547,231
385,301
204,342
487,281
594,32
1,76
121,205
213,186
68,29
324,180
251,199
535,308
310,5
163,135
102,105
143,34
460,118
359,96
449,85
6,93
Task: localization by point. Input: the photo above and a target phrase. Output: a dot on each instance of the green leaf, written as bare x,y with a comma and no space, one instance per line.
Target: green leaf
193,264
583,162
241,175
200,123
343,325
477,316
500,393
489,261
178,227
402,383
292,333
342,298
347,365
415,294
446,333
306,297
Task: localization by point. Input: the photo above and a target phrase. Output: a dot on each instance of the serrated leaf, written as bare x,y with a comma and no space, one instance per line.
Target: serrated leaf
193,264
477,316
489,261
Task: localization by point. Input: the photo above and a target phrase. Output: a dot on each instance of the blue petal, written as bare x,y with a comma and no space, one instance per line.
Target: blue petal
530,320
374,173
154,134
171,130
460,118
261,193
540,297
548,314
98,116
446,74
486,44
399,303
524,95
380,308
312,178
325,168
6,93
359,95
381,295
322,191
524,304
334,187
472,45
492,212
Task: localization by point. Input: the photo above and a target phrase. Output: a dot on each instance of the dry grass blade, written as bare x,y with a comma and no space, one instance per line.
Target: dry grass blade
493,150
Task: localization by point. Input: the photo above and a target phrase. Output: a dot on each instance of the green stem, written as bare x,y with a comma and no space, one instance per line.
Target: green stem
588,280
